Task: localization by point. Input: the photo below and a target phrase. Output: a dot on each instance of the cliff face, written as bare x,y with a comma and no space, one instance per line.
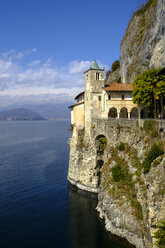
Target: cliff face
131,201
143,45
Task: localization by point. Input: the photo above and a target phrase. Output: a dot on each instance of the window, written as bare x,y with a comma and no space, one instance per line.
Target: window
97,75
109,97
122,97
99,98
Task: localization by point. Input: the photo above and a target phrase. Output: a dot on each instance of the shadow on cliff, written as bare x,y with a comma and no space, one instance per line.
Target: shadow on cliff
86,228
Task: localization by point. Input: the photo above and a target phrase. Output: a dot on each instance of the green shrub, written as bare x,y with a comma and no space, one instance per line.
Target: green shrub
137,123
154,152
145,7
121,147
160,234
138,208
115,65
149,124
117,173
118,80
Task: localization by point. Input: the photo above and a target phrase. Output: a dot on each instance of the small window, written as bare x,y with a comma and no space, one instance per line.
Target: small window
99,98
109,97
122,97
97,75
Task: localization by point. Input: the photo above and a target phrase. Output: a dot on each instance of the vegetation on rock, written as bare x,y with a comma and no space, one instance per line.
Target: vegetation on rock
145,7
136,54
151,128
117,173
121,147
115,65
113,75
160,234
154,152
120,183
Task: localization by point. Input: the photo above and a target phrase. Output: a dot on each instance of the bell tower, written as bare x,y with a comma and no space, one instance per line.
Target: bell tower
94,82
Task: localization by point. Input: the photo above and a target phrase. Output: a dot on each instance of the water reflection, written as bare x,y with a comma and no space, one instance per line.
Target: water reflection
86,228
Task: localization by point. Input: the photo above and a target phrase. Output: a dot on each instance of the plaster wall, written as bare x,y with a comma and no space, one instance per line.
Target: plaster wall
77,115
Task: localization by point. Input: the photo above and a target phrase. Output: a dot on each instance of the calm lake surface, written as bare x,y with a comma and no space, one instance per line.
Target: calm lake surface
37,206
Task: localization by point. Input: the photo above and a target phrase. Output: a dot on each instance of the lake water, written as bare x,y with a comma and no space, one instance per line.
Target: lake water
38,209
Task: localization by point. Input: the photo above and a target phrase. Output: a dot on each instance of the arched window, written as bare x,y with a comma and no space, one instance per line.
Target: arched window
101,142
134,113
97,75
123,113
112,113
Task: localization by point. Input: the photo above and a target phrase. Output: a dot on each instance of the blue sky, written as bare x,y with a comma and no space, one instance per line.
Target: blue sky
47,44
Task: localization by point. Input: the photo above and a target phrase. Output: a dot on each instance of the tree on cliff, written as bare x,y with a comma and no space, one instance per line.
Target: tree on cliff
149,91
115,65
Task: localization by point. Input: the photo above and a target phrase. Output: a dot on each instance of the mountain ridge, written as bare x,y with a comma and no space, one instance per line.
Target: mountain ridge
19,114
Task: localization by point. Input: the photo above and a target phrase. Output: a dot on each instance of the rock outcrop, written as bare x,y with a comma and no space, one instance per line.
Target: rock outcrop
131,201
143,45
133,206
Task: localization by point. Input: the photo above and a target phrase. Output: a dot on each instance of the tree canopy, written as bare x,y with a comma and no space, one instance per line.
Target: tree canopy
149,88
115,65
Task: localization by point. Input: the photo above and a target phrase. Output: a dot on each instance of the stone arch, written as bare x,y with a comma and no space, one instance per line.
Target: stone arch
143,113
124,113
134,114
112,113
100,142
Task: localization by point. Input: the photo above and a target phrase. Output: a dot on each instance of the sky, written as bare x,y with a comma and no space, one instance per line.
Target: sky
46,45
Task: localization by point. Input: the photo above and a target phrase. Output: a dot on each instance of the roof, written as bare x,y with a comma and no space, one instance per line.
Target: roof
80,94
76,104
119,87
94,65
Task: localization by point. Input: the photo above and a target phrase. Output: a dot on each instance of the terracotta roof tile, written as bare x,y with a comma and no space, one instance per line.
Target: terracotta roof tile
118,87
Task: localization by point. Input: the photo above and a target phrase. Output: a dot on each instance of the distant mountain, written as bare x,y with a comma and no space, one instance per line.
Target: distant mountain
47,110
52,111
21,114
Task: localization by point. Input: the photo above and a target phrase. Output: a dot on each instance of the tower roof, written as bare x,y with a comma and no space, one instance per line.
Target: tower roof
94,65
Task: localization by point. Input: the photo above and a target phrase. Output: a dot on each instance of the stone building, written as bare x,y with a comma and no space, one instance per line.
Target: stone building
100,100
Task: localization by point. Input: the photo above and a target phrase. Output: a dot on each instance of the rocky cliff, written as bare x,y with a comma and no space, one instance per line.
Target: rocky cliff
143,45
133,202
125,172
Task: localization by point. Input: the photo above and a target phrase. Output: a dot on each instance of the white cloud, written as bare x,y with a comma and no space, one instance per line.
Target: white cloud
34,63
76,67
13,54
39,82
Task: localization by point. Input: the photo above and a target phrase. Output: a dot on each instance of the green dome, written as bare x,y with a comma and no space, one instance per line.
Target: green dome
94,65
